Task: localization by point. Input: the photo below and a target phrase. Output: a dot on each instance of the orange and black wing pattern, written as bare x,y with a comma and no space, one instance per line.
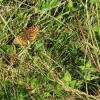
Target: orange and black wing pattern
28,35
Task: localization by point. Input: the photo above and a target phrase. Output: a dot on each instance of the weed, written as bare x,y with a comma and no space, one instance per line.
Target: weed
63,62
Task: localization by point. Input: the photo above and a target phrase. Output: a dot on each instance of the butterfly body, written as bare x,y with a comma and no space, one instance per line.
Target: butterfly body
27,36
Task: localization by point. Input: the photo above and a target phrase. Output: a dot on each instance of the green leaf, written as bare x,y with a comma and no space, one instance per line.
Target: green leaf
38,46
67,77
20,97
93,70
70,4
88,64
45,5
97,29
34,83
75,84
7,49
87,76
58,90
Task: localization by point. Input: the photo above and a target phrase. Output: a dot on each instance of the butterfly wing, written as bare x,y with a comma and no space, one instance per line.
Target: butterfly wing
28,35
19,40
33,33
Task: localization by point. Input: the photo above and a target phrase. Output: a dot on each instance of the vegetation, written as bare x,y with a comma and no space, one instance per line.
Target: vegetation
63,63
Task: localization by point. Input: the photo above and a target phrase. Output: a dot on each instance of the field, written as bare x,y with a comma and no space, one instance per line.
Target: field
49,49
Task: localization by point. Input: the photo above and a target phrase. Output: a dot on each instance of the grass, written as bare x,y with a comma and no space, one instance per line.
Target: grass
63,62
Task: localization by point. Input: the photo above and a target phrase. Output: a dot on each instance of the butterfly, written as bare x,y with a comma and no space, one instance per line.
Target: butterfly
27,36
